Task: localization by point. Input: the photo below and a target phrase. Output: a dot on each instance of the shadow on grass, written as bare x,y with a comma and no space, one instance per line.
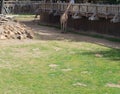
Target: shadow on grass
111,54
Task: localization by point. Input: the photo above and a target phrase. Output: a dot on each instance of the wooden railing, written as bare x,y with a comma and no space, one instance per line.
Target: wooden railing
19,6
20,2
82,8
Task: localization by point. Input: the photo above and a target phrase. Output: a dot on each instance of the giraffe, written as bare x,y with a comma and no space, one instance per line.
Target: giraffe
64,19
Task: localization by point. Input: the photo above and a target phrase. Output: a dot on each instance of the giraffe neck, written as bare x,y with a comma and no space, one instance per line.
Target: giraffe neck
66,11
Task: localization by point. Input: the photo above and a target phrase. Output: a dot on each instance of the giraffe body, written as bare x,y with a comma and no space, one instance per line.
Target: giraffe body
64,19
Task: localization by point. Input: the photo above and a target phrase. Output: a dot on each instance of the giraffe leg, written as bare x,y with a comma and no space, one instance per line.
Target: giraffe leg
61,27
65,27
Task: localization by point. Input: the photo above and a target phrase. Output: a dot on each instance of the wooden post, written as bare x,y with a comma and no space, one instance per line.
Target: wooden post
118,9
86,11
44,1
52,5
96,9
107,9
79,8
106,16
1,6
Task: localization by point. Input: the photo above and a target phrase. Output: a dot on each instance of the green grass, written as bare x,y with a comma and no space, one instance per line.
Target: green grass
24,68
25,16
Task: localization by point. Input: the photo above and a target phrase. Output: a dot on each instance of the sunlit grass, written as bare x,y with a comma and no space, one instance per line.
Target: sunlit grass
25,69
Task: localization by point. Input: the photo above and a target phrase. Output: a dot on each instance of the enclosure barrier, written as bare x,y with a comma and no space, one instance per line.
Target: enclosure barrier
82,9
17,7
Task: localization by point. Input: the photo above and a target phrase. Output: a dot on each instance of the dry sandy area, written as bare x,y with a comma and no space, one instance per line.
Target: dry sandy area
49,33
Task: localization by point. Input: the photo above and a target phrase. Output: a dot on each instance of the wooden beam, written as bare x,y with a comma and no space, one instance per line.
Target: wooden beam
1,6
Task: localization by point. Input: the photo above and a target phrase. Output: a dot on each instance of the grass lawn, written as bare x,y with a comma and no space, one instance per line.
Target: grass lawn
59,67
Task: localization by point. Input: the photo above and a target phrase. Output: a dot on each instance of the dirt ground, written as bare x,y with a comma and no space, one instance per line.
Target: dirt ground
49,33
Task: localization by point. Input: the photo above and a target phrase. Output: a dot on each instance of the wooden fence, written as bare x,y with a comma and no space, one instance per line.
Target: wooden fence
18,7
103,11
84,9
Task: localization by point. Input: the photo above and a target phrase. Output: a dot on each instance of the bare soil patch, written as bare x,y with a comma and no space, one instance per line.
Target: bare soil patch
113,85
44,33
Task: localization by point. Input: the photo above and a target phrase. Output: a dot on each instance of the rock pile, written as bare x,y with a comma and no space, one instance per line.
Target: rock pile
12,29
